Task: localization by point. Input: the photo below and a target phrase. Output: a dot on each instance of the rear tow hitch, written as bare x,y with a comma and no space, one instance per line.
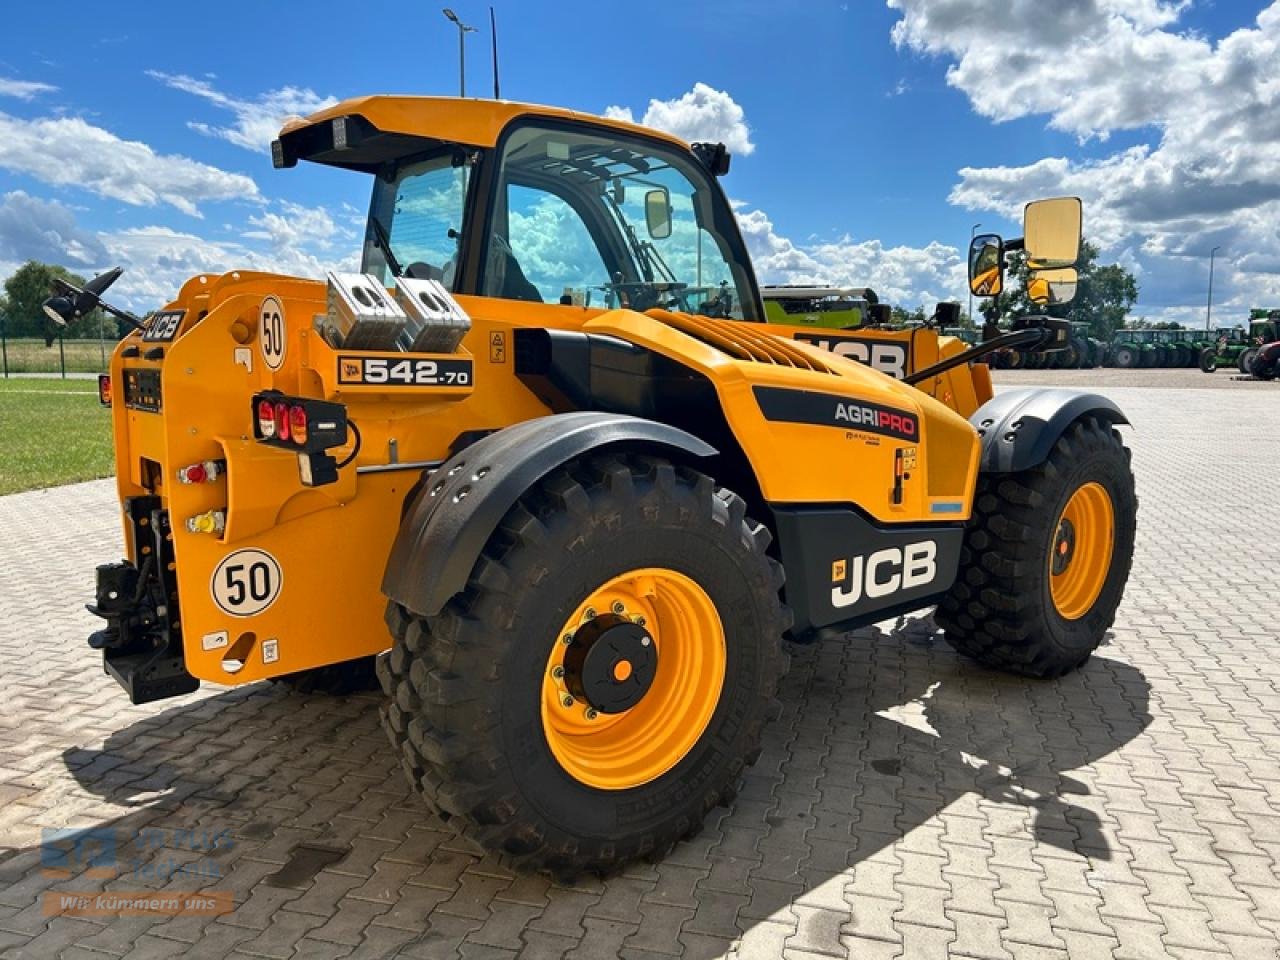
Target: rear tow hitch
142,642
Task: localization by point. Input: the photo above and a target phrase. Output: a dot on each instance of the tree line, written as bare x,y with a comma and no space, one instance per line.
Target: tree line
20,307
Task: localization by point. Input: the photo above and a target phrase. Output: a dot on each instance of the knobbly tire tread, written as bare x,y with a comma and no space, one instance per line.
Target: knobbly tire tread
442,676
998,611
334,679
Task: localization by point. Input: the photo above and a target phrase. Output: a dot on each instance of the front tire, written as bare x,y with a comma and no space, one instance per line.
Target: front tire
1209,360
1046,557
505,731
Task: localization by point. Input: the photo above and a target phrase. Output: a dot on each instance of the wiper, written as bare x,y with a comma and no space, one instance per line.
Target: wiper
384,244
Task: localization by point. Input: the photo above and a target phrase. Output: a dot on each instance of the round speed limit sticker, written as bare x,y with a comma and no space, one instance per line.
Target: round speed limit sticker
246,582
271,332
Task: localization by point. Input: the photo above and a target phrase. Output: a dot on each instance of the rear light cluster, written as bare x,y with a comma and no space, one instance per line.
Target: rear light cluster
298,423
104,389
307,427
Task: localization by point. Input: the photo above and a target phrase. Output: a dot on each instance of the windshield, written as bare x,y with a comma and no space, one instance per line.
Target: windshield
607,220
418,214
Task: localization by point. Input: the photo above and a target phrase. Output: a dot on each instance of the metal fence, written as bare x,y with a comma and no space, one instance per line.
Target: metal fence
62,357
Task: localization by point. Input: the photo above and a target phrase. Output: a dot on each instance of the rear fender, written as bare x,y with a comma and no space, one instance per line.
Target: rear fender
456,509
1019,427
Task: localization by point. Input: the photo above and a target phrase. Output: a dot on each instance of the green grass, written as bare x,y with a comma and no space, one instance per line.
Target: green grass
30,355
51,432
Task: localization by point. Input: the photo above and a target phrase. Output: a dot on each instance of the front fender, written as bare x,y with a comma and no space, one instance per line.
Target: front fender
1019,427
456,509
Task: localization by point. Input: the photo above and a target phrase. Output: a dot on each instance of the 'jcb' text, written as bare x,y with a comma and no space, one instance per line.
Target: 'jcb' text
883,573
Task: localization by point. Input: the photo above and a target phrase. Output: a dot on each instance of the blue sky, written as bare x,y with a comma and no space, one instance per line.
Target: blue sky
861,116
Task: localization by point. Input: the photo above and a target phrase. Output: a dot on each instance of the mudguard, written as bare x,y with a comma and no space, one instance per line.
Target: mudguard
455,510
1019,427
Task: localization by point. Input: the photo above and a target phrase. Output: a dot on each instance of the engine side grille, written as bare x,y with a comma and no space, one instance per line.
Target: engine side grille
741,342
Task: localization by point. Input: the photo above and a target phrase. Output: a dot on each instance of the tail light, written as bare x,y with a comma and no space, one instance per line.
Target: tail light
104,389
266,421
307,427
298,424
282,420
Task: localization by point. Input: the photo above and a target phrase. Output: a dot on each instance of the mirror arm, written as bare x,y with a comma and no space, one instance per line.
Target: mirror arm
1023,339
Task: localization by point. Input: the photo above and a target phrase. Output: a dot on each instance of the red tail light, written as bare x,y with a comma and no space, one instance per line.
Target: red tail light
266,419
104,389
298,424
282,421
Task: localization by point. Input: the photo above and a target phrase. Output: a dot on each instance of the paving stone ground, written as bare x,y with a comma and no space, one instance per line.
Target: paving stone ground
908,803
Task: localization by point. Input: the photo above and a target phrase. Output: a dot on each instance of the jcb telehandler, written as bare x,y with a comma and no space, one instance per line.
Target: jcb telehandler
547,435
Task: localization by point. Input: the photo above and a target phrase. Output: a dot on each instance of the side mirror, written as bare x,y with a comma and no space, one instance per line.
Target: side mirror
1052,232
1052,288
986,265
657,214
619,191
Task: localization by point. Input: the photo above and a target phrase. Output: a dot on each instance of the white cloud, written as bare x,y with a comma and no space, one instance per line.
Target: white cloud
257,121
158,260
1209,173
69,152
903,276
35,229
23,89
702,114
301,242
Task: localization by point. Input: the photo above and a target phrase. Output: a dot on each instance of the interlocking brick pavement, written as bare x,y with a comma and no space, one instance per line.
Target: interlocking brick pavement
907,803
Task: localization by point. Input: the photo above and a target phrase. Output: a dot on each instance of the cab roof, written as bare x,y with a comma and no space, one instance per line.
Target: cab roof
365,132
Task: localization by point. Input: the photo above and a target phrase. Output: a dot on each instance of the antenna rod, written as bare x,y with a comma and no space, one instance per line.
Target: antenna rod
493,32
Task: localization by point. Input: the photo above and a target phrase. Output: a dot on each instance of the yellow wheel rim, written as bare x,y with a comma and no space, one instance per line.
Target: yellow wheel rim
1081,555
618,751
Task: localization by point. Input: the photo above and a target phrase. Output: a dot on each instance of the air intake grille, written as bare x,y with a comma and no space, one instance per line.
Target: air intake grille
742,342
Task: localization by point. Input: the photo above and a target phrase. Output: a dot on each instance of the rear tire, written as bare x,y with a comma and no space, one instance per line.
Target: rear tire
335,679
1008,608
468,710
1123,357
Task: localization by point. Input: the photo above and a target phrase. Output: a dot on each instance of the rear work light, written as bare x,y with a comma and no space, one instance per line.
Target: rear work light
306,427
104,389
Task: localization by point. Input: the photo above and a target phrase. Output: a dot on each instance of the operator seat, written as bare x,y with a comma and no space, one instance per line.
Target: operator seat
503,275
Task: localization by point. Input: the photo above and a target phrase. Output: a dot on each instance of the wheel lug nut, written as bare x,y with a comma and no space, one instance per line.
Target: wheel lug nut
557,672
591,714
590,614
641,621
567,639
618,608
567,702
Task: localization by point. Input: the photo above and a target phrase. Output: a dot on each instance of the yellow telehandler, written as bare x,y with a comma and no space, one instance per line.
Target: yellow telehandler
546,437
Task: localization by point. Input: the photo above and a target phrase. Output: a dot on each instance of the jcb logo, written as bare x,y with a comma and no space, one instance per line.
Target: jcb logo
890,358
883,573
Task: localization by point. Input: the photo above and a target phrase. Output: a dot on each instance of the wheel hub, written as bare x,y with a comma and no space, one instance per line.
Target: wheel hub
610,664
1064,546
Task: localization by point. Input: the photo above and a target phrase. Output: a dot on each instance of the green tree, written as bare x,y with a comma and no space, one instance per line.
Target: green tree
1104,297
29,286
902,317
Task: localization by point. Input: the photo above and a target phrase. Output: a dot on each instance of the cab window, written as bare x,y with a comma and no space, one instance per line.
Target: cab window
610,220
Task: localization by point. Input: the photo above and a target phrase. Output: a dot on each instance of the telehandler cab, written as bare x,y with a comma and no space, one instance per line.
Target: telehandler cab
546,433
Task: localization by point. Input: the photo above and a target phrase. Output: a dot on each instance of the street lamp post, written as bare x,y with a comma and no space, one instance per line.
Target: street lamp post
1208,310
463,30
973,232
